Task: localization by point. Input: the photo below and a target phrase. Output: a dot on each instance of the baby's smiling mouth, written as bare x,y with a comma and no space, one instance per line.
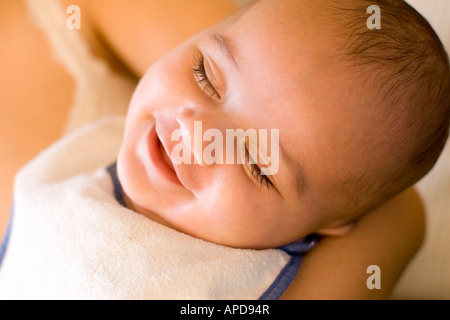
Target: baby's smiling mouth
154,153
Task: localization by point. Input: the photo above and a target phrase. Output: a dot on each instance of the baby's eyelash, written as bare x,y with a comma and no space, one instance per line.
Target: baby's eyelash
202,78
261,179
255,172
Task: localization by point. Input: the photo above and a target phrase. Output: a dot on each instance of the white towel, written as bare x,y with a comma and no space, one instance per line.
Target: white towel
72,240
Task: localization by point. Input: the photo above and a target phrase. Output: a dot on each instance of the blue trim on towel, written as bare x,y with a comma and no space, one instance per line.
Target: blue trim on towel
284,280
118,191
6,238
296,250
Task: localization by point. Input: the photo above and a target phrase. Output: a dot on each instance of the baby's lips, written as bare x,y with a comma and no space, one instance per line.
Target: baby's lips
166,147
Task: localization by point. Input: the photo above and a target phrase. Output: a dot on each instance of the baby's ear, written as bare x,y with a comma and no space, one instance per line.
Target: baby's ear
338,231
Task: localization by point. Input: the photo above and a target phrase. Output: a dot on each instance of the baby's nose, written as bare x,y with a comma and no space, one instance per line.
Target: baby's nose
204,134
184,115
190,132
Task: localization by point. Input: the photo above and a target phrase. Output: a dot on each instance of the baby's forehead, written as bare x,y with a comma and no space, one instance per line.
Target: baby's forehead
290,71
286,13
293,26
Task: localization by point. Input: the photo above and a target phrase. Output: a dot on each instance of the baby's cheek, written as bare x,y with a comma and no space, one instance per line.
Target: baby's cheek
246,205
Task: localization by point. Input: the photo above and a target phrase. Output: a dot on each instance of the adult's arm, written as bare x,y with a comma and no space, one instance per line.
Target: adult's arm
141,31
388,237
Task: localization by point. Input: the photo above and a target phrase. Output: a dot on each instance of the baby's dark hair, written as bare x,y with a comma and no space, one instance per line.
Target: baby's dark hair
406,69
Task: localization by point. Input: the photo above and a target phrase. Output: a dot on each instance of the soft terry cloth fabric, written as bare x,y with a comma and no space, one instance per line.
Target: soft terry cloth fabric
71,239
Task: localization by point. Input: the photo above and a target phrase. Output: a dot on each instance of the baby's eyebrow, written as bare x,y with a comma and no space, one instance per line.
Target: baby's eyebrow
226,46
297,176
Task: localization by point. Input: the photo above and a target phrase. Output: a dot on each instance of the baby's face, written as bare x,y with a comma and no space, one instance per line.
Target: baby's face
262,69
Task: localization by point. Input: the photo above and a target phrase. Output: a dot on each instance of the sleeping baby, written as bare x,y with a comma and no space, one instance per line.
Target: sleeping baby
360,115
